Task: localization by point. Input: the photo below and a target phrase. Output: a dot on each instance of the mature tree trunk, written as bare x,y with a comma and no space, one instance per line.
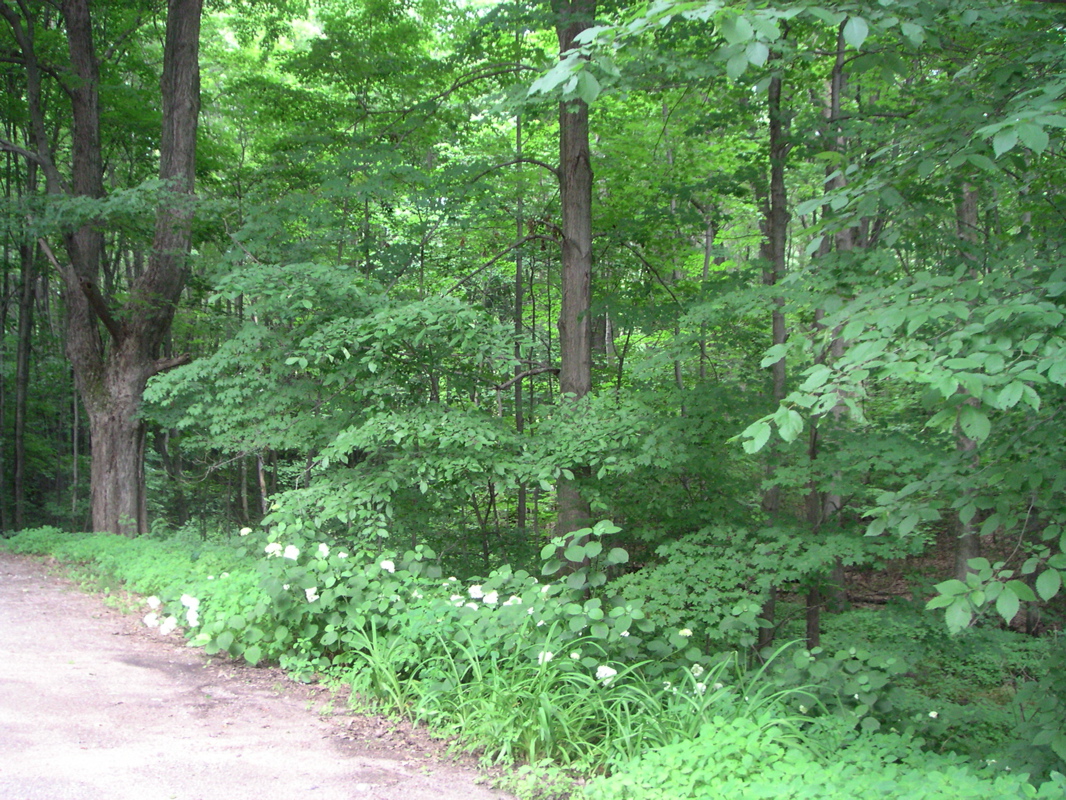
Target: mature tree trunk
111,379
575,186
27,301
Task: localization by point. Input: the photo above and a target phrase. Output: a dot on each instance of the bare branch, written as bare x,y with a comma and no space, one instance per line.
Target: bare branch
511,247
164,364
553,170
503,387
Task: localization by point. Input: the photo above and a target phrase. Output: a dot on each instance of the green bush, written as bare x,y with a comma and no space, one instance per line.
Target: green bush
757,758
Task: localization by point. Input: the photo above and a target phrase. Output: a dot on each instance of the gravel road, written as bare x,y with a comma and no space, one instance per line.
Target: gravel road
94,706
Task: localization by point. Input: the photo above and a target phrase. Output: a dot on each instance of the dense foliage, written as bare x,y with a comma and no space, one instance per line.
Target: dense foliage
822,351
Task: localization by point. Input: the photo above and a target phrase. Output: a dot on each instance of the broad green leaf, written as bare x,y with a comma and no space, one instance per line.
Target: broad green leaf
756,436
588,88
617,555
253,654
1011,394
1004,141
1048,584
736,65
974,423
958,615
1007,605
758,53
916,33
791,426
855,32
737,30
1033,136
952,587
1022,590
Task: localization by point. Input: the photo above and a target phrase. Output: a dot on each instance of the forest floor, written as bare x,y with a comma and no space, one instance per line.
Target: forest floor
95,705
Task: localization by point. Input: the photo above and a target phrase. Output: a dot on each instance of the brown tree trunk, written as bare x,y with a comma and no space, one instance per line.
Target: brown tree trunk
27,301
575,187
775,237
111,380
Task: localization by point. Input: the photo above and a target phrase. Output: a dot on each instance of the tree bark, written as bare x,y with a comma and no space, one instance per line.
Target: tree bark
111,380
775,238
575,188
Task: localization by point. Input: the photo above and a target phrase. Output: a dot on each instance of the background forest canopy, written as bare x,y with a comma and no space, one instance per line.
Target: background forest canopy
776,288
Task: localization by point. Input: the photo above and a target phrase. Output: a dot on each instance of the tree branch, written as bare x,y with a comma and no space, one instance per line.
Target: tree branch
29,155
503,387
497,257
98,304
554,171
164,364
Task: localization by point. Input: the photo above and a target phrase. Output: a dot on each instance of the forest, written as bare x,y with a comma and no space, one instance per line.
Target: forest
658,400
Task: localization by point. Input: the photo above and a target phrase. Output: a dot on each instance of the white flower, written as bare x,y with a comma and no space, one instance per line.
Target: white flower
530,610
513,600
224,575
624,633
605,674
273,549
697,670
312,594
190,602
475,591
245,531
933,715
540,622
684,632
545,588
417,595
545,657
192,617
323,550
491,598
472,605
575,655
701,688
292,552
285,586
210,577
153,602
718,685
457,598
342,554
803,709
168,625
388,566
151,619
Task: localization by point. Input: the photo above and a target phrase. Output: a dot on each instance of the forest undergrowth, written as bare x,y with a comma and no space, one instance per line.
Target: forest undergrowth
585,691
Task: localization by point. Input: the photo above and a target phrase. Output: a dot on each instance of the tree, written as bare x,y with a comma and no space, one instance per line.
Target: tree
112,368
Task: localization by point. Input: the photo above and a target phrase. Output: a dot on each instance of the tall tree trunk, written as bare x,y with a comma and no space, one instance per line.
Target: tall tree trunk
575,187
27,302
775,238
111,380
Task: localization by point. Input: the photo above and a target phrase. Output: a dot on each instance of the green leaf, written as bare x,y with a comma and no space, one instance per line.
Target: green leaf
756,435
1033,136
916,33
1048,584
617,556
736,65
757,53
1022,590
1004,141
1011,394
855,32
952,587
974,423
253,654
588,88
1007,605
791,425
958,615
